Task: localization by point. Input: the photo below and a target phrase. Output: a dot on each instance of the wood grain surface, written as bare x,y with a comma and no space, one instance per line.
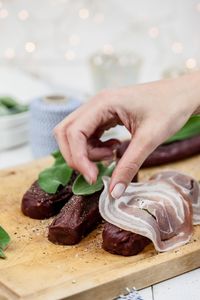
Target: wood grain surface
37,269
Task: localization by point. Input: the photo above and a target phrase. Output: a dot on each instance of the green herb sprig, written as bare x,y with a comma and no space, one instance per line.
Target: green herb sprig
82,187
4,241
59,174
9,106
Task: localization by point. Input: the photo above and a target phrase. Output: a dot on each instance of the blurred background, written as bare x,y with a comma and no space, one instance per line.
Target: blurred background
56,54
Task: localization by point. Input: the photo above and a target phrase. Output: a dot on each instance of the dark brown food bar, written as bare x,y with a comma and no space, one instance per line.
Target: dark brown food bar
78,217
122,242
135,178
38,204
168,153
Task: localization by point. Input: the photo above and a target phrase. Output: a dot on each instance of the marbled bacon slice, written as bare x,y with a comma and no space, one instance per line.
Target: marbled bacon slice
159,209
192,187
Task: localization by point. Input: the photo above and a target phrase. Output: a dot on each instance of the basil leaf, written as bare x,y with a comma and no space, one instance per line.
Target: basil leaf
59,174
18,109
9,105
50,179
82,187
2,255
4,241
57,154
59,159
8,102
4,238
190,129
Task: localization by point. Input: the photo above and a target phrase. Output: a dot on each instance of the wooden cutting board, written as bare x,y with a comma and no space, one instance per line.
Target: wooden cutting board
37,269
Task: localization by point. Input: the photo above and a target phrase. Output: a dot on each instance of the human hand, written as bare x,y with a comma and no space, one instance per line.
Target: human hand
151,112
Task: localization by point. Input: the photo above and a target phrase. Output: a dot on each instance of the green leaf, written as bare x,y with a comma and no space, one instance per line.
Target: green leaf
9,105
81,187
50,179
18,109
190,129
59,174
8,102
2,255
4,241
4,238
59,159
56,154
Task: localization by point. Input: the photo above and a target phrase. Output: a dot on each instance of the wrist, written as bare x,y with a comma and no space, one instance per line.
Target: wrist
190,87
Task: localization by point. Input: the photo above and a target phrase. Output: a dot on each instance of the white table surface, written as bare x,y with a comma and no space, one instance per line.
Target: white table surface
183,287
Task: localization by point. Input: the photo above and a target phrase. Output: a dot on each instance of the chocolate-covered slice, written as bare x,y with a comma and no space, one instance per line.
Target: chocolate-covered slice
78,217
168,153
122,242
38,204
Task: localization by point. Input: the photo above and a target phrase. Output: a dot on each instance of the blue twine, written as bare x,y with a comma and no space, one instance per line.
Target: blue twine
43,118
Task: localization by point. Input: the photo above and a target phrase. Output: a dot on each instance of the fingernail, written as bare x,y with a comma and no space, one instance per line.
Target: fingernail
118,190
88,179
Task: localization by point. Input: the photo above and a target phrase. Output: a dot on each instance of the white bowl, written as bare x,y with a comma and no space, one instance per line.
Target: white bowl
14,120
13,130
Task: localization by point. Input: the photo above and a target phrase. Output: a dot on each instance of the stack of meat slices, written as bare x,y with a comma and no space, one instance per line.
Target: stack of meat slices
162,210
159,210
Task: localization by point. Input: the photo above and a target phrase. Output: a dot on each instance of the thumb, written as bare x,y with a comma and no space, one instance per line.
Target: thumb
141,145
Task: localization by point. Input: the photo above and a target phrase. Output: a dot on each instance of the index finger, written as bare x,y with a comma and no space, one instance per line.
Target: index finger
78,147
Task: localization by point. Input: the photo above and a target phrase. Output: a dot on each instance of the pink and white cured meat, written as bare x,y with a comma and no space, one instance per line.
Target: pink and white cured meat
163,209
